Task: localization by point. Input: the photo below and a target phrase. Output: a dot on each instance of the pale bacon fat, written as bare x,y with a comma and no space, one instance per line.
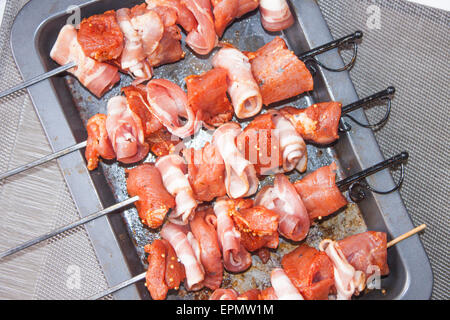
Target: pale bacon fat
133,59
243,89
235,257
179,241
203,38
173,171
348,281
293,147
240,179
169,103
275,15
282,198
284,289
125,131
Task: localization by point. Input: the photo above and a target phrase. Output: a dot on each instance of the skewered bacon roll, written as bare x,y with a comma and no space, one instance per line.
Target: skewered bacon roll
164,271
125,131
243,89
292,146
235,257
311,272
202,38
207,96
366,251
154,201
319,192
173,171
240,175
318,123
283,287
100,37
204,230
98,143
169,103
206,172
257,225
138,104
347,280
259,143
178,237
279,73
97,77
169,47
225,11
133,59
275,15
283,199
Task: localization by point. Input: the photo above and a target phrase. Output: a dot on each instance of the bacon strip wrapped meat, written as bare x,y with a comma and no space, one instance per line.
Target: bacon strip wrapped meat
319,192
169,103
203,227
125,131
134,57
173,171
259,143
257,225
225,11
96,76
283,199
202,38
348,281
242,87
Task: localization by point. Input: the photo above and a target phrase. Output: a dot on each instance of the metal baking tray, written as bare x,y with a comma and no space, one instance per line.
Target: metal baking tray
64,107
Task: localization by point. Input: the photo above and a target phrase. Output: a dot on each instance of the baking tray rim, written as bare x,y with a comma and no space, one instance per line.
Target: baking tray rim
28,67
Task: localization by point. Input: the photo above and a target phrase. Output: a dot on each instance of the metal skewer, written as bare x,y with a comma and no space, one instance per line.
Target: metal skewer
356,178
143,275
43,160
68,227
37,79
119,286
349,108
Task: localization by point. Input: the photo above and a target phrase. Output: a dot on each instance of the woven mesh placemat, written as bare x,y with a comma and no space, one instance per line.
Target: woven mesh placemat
410,51
36,202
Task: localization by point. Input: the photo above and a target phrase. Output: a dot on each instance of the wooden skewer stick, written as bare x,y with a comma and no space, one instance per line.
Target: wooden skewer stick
406,235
